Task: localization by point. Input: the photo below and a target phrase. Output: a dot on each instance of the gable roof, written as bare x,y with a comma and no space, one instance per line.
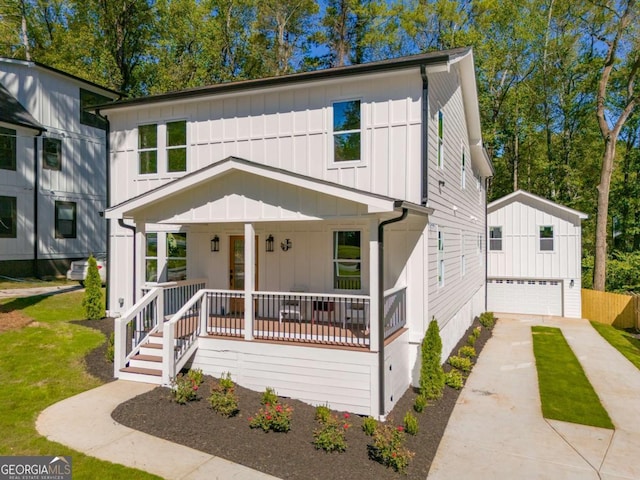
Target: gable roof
375,203
534,200
12,111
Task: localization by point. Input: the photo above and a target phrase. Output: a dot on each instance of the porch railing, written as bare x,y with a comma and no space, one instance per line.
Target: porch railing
395,310
176,294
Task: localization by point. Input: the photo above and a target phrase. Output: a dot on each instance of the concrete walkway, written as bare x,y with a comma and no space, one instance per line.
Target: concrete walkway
30,292
497,431
84,423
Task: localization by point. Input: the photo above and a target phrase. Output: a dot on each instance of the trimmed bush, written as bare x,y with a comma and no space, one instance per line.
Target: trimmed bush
454,379
461,363
223,399
410,423
487,320
467,351
323,413
269,396
93,302
388,448
431,373
330,436
369,425
420,404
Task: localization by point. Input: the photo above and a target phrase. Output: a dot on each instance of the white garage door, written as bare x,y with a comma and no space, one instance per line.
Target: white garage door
542,297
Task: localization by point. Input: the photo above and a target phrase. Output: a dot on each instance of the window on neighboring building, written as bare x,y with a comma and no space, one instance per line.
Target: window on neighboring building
151,257
346,131
440,258
546,238
440,139
65,220
90,99
51,153
7,149
347,273
495,238
176,257
8,217
463,169
177,146
148,148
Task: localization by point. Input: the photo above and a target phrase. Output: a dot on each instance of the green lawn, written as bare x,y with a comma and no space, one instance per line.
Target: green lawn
7,284
40,365
565,391
622,341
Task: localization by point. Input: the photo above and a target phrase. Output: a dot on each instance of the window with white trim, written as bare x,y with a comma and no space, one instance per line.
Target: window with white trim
495,239
51,153
176,257
7,148
177,146
546,238
151,257
148,149
65,219
440,258
347,260
8,217
440,139
347,131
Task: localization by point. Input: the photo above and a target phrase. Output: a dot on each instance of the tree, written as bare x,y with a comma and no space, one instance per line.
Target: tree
431,373
617,31
93,302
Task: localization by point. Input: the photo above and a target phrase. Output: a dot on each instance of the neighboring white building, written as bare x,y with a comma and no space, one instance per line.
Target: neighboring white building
330,216
53,180
534,256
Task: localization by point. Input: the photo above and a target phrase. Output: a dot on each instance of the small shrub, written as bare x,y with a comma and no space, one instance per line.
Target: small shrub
196,375
369,425
461,363
323,413
111,351
476,331
269,396
410,423
272,417
431,373
330,437
454,379
467,351
487,320
223,399
185,388
92,302
420,404
471,340
388,448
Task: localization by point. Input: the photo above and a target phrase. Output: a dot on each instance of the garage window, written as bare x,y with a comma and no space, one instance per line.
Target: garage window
546,238
495,238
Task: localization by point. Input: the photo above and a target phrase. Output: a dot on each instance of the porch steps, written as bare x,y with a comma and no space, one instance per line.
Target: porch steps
146,366
138,374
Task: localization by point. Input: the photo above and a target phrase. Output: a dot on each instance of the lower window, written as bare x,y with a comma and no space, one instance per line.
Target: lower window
8,217
347,274
65,220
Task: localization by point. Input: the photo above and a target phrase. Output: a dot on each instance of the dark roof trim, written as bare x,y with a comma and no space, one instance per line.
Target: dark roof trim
14,113
64,74
432,58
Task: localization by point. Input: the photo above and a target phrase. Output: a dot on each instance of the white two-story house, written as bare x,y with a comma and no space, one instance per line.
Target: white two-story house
53,173
300,232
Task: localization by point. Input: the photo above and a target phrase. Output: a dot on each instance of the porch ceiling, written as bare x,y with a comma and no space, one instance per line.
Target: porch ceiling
239,190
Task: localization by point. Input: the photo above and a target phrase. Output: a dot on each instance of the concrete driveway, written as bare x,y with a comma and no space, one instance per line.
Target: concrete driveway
497,430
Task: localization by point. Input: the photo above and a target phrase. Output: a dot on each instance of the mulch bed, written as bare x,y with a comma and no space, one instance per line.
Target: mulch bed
285,455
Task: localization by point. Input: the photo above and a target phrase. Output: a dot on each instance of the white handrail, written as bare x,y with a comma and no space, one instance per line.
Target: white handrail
394,290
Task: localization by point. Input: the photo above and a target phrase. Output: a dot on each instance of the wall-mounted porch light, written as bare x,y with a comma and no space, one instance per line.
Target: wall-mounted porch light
215,244
286,245
269,243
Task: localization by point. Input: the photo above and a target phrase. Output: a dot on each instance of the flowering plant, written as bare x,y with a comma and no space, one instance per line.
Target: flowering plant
272,417
388,448
223,398
330,437
185,387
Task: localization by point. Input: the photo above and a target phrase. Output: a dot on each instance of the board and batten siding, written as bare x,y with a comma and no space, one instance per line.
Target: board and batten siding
291,129
458,215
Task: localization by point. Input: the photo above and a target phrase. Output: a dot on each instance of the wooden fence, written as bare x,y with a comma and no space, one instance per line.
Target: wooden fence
622,311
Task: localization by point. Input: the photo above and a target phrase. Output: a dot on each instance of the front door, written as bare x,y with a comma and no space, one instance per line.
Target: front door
236,270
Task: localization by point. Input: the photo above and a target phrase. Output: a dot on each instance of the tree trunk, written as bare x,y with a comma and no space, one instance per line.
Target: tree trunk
600,265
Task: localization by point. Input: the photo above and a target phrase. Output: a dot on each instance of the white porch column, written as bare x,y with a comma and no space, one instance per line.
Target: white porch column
374,284
249,278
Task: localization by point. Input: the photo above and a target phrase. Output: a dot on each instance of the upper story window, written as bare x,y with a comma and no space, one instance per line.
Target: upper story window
148,148
346,131
90,99
7,149
177,146
440,139
8,217
463,169
51,153
65,220
546,238
347,260
495,238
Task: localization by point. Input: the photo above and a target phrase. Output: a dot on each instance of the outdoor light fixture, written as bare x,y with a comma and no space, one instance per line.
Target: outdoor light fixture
286,245
571,283
269,244
215,244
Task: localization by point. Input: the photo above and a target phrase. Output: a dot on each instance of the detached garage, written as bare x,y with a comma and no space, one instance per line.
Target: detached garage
533,256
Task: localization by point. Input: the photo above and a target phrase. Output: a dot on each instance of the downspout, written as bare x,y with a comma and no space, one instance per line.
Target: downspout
381,337
425,135
108,174
36,189
133,229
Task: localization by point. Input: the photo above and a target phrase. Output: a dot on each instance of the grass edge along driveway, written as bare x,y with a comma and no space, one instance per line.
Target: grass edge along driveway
565,391
622,341
40,365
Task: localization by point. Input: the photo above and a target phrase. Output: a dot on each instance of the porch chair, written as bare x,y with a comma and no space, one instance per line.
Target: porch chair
292,308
